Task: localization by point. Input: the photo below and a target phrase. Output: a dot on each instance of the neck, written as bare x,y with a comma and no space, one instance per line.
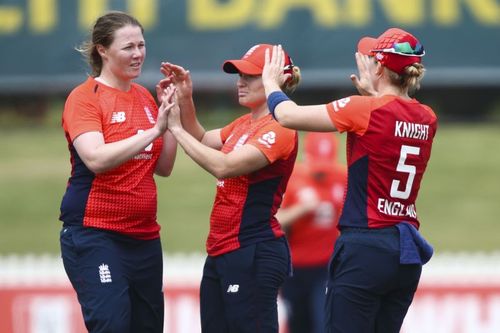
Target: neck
392,90
113,82
260,111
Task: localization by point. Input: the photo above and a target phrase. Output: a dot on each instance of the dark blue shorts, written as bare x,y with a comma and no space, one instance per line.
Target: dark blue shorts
239,289
304,297
118,279
368,289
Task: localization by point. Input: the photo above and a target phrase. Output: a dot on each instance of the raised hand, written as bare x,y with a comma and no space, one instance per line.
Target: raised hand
180,77
364,83
273,75
171,106
168,102
160,88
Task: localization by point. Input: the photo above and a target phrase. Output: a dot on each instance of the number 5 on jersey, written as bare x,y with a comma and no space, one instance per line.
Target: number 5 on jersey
405,168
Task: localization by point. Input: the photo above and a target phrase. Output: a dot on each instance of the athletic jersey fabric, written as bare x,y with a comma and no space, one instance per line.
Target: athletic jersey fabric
244,206
388,146
123,199
312,236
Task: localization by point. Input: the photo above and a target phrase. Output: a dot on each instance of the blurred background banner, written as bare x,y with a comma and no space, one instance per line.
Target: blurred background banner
38,37
459,197
457,294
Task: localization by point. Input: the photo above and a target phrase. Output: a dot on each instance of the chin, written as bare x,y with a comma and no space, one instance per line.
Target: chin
135,74
243,102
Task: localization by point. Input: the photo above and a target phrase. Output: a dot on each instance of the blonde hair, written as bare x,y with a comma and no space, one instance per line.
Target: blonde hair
103,34
410,79
292,84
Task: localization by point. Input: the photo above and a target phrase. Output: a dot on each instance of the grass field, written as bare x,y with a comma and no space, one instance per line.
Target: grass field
459,198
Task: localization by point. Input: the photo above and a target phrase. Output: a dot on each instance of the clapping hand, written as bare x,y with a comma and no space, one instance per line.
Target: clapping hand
180,77
168,102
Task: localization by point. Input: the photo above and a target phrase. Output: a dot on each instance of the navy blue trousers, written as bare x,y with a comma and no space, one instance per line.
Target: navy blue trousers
304,296
239,289
369,291
118,279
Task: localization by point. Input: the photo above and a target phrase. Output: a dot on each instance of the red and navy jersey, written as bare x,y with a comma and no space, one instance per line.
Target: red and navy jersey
389,143
244,206
313,236
123,199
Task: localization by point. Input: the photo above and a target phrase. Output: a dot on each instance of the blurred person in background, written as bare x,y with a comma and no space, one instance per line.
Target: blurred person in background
252,159
117,139
378,257
309,215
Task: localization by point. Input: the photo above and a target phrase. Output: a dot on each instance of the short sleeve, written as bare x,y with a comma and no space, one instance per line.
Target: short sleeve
226,131
351,114
274,141
81,114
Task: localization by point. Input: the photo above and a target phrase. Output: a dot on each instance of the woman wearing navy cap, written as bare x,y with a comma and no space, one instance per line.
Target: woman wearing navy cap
376,265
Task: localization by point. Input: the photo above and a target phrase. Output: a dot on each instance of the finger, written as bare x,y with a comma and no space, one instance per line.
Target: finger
266,57
178,71
273,56
355,80
281,56
164,82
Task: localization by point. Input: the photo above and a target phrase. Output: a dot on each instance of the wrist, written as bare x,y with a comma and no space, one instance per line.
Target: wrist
274,99
271,87
176,130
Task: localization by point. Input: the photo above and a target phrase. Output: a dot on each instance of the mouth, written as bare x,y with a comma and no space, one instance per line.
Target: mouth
136,65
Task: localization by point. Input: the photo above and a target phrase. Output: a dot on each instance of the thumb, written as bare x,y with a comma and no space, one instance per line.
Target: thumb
355,80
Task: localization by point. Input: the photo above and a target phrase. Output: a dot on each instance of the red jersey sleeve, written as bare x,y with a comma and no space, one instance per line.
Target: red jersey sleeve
352,114
226,131
81,114
274,141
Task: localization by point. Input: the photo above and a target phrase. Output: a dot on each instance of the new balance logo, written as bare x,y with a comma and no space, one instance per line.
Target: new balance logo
118,117
233,288
104,274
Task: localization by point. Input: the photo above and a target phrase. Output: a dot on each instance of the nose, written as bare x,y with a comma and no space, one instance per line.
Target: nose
241,82
137,52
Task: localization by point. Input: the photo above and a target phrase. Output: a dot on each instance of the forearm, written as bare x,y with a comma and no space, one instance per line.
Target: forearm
291,115
100,157
166,161
286,110
212,160
189,120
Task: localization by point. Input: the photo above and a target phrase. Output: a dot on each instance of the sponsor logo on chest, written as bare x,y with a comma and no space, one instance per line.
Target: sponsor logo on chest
118,117
268,139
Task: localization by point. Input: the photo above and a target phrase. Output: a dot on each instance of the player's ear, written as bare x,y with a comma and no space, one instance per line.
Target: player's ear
379,69
101,50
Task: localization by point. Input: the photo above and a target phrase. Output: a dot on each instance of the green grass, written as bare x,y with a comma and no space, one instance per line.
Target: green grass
457,203
460,194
